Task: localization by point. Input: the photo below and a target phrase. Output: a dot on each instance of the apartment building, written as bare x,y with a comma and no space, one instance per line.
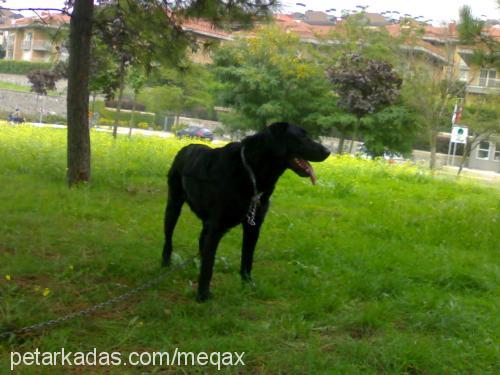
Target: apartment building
36,39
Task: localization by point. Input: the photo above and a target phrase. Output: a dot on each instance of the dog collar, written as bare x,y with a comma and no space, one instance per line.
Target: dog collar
252,209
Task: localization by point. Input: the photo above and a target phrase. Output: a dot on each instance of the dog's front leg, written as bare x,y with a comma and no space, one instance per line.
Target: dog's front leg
209,240
250,238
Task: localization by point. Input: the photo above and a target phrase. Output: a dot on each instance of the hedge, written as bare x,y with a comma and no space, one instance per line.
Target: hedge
21,67
124,116
126,104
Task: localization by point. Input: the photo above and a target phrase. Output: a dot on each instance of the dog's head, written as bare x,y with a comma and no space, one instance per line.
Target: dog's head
294,145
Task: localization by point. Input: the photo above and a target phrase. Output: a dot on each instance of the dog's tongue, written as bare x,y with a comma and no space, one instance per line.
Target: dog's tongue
304,164
312,175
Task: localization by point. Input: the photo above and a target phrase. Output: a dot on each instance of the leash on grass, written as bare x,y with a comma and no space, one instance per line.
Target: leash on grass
99,306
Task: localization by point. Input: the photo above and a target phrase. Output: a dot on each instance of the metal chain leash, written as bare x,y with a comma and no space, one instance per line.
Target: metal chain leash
89,310
252,209
255,201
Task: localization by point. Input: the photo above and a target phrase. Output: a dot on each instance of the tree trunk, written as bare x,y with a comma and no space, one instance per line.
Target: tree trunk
433,144
469,147
355,134
120,97
177,120
463,159
132,116
78,92
340,148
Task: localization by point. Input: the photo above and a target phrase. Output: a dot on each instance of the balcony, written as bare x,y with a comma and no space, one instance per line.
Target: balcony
485,86
42,45
26,45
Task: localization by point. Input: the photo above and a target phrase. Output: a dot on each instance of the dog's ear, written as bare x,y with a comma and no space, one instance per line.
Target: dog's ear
277,129
277,141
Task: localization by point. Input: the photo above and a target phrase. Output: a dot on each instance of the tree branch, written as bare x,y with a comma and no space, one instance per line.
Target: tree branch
35,10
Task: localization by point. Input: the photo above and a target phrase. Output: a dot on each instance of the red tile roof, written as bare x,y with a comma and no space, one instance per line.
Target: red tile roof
301,28
283,21
202,26
52,19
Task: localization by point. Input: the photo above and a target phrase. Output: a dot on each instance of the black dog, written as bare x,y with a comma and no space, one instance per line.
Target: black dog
232,185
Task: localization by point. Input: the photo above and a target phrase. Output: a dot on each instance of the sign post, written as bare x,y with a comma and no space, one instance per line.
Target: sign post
459,133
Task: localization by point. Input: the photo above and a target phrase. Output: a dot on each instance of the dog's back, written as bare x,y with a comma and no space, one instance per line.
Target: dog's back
200,176
189,159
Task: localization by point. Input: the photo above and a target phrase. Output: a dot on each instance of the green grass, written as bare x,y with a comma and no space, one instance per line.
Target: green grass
14,87
377,269
20,88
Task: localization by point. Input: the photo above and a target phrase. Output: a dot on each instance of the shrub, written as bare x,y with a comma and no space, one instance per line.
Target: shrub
123,116
105,121
22,67
126,104
55,119
143,125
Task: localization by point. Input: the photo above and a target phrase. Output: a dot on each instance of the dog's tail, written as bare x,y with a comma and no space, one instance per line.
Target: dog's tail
175,200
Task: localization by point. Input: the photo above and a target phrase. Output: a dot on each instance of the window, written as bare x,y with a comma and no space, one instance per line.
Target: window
483,152
488,78
464,75
11,40
496,157
27,41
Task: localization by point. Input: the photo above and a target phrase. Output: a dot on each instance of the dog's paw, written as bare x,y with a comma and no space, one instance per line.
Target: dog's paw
248,283
203,297
165,262
246,278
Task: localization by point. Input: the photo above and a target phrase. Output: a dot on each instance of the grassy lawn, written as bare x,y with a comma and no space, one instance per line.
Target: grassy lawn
14,87
377,269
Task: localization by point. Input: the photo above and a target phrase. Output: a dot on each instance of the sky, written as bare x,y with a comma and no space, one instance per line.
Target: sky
437,10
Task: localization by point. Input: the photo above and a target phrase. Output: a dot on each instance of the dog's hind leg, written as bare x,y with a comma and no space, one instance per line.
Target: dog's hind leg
172,211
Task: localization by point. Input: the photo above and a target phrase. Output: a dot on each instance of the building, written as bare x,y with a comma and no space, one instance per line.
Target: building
486,156
5,17
36,39
482,81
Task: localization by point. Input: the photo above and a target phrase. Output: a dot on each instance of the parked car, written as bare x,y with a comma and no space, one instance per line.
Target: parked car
196,132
